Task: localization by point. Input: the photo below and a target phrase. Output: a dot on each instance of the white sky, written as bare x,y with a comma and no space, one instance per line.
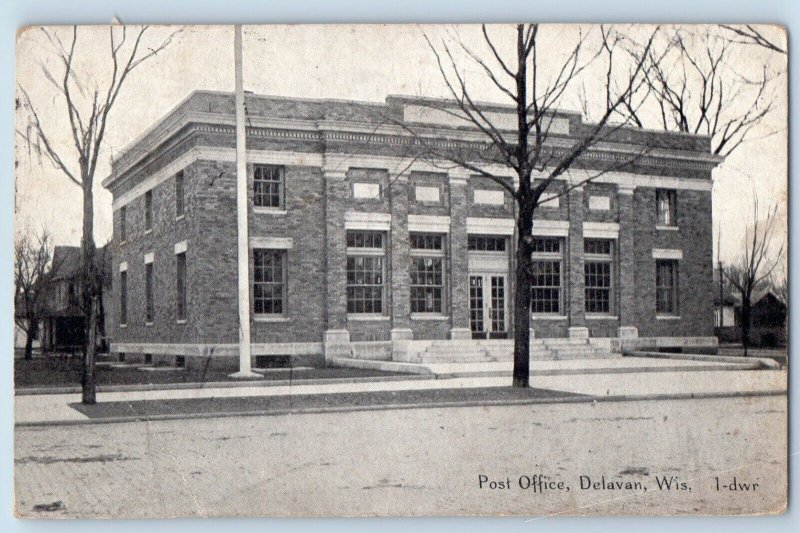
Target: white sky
350,62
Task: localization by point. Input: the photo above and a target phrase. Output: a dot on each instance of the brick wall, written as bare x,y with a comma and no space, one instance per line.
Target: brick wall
316,202
695,287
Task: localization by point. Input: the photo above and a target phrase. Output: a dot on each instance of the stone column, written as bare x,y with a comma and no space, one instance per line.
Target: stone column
400,267
459,272
575,272
626,290
337,338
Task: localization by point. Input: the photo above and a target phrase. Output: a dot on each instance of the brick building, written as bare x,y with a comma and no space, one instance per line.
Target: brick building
358,249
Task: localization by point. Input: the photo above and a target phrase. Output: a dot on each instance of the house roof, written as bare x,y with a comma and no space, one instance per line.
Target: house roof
67,262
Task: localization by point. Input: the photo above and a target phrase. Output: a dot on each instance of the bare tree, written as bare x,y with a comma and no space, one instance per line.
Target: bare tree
752,271
779,283
88,111
528,151
696,90
749,35
31,261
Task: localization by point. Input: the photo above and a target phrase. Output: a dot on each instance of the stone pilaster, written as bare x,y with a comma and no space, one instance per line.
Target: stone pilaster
626,291
337,338
399,256
459,271
400,267
575,274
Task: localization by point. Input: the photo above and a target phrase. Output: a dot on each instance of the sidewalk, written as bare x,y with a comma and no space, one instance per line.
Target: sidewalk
606,382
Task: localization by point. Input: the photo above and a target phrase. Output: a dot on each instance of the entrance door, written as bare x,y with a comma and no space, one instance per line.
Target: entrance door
487,306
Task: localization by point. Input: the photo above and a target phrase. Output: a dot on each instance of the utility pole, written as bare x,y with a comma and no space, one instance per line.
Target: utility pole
243,244
721,295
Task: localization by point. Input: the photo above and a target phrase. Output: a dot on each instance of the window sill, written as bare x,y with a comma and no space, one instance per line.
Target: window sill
148,231
180,322
367,318
123,326
667,228
179,217
271,319
148,324
429,316
668,317
122,242
548,317
601,317
269,211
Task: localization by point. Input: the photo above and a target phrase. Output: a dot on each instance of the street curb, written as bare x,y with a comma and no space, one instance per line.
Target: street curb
429,405
33,391
765,363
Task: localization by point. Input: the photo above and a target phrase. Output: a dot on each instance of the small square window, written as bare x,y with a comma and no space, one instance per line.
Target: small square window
179,199
268,186
148,210
666,210
123,224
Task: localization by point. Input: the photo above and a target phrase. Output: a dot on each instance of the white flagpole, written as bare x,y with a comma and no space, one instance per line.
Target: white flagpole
241,215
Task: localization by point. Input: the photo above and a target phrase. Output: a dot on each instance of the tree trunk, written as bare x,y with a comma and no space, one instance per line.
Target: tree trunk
33,329
89,396
522,299
90,295
745,323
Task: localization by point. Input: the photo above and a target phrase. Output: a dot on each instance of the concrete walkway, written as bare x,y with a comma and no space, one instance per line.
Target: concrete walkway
688,378
609,365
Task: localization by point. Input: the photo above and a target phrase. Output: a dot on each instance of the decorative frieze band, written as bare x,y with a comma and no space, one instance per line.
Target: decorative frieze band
601,230
272,243
429,223
661,253
358,220
490,226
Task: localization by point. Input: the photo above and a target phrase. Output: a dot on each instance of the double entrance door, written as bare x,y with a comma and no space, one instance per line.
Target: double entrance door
488,305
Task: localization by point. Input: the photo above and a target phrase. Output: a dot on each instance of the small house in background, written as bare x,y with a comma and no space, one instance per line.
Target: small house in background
63,321
768,315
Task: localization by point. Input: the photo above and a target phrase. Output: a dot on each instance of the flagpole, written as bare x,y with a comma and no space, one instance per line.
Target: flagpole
243,249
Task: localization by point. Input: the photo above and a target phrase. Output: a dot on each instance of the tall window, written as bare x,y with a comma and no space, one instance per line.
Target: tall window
148,293
546,276
179,203
180,275
666,208
148,210
268,186
667,287
123,297
123,229
427,273
365,272
269,281
598,263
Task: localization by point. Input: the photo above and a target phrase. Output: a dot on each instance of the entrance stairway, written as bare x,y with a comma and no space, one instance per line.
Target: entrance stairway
487,351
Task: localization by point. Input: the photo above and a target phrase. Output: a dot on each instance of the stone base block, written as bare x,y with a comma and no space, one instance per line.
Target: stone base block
336,344
578,333
400,338
627,332
460,333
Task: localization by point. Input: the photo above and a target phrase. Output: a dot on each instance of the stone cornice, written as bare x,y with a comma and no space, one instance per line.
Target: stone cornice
334,132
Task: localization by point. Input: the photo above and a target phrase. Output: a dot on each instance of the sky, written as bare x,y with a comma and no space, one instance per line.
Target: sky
365,62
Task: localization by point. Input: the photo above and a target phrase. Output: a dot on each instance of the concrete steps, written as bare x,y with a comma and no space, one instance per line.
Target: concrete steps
488,351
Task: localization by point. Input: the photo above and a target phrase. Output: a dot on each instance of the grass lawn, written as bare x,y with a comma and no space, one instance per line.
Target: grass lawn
53,371
251,404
